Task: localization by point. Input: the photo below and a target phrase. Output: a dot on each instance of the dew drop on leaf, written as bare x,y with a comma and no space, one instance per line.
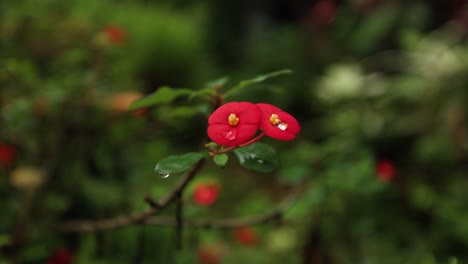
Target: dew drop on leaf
164,175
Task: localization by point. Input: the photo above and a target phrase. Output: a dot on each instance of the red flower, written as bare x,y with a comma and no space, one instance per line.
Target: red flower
7,155
206,194
61,256
278,124
115,34
385,170
234,123
246,236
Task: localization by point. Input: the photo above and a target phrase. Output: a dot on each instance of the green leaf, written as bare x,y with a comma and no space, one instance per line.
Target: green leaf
163,95
221,159
203,92
4,240
177,164
219,82
258,157
258,79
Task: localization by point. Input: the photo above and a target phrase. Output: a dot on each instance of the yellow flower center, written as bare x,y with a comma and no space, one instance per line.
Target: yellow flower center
233,120
274,120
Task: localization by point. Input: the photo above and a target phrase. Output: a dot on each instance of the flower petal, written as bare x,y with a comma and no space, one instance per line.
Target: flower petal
247,113
226,135
286,132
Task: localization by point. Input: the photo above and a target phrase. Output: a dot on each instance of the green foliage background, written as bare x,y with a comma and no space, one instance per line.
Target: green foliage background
386,83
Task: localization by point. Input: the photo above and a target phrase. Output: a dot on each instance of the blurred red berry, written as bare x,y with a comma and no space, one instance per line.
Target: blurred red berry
209,255
246,236
206,194
115,34
61,256
234,123
323,12
278,124
7,155
385,170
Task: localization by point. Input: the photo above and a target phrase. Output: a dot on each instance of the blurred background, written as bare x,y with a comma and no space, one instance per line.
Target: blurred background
379,88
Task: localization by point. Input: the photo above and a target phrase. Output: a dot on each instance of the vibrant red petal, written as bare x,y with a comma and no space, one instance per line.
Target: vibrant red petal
247,113
274,131
269,109
226,135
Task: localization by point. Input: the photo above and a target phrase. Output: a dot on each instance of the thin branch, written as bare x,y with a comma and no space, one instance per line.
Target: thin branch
179,221
277,213
122,221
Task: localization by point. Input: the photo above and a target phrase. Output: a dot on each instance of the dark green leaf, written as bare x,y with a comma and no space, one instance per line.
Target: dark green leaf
258,79
221,159
258,157
177,164
203,92
163,95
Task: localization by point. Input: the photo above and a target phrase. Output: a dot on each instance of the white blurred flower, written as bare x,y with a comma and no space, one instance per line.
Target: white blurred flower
340,81
434,59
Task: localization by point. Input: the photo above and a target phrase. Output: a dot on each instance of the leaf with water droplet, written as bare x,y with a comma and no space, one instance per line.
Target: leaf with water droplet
221,159
164,175
258,157
177,163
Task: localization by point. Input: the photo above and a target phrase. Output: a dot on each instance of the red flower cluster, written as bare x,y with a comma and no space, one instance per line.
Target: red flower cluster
235,123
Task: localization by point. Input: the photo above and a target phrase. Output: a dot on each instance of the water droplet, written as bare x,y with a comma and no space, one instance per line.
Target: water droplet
282,126
260,161
230,135
164,175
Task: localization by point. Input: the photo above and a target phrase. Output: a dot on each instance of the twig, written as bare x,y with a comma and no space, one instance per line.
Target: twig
122,221
234,222
179,221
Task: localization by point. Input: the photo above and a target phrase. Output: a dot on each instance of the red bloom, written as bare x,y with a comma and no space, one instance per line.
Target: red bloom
7,155
233,123
278,124
246,236
385,170
115,34
61,256
206,194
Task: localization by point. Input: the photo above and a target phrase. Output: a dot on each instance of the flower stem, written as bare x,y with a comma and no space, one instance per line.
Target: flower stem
224,150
